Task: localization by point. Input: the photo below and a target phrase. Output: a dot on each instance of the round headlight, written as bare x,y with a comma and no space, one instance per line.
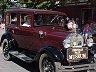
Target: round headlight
89,42
66,43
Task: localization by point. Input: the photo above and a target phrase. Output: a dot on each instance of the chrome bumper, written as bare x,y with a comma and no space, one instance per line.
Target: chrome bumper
61,68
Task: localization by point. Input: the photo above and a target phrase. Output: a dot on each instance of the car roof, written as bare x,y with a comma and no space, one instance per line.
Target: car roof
35,11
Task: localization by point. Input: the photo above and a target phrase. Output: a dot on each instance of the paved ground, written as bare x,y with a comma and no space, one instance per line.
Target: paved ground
15,65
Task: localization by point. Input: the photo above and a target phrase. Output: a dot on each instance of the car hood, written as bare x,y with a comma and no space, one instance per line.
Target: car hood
57,35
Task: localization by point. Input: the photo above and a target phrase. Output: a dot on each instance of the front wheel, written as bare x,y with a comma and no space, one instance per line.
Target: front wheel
5,50
46,63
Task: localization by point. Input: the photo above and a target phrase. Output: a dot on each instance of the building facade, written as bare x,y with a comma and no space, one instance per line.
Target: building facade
82,10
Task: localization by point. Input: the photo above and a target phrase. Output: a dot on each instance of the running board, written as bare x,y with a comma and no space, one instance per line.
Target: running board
21,56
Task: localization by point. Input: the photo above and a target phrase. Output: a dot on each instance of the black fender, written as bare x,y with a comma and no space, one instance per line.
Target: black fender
93,49
5,36
9,37
56,54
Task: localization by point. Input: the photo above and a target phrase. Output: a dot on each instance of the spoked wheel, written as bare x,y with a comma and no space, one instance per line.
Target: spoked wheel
46,64
5,50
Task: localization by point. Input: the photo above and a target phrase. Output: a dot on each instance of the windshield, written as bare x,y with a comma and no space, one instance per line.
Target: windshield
49,19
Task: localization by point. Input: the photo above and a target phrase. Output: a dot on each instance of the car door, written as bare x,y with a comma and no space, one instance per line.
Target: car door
28,37
22,32
11,21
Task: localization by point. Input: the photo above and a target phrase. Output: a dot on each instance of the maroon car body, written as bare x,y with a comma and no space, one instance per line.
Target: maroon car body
41,35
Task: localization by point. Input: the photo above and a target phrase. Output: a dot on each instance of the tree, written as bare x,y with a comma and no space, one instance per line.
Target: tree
4,4
28,3
45,5
50,4
36,4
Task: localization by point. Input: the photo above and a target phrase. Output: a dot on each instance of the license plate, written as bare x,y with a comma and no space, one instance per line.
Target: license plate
76,54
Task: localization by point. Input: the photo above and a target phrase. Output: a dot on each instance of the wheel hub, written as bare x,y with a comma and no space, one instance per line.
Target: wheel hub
5,50
47,66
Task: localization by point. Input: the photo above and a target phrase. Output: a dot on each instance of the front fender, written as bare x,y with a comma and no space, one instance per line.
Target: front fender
93,49
56,54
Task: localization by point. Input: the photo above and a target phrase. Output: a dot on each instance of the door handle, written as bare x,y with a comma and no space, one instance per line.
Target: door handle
42,34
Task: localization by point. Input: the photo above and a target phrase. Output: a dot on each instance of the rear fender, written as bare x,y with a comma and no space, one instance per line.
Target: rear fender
7,36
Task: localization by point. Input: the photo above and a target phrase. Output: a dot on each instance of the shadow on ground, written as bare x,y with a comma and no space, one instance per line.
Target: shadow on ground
32,67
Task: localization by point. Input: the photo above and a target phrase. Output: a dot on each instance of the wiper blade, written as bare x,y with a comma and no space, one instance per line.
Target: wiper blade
54,18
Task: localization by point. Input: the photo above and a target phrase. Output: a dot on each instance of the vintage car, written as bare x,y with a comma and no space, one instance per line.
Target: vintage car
42,36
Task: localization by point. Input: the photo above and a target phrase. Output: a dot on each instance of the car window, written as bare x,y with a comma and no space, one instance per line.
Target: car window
7,18
49,19
42,19
25,20
13,18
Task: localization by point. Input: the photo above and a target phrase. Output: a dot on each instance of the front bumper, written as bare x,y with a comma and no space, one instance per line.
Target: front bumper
61,68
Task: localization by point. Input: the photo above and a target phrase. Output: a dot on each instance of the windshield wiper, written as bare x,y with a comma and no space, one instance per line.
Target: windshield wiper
54,18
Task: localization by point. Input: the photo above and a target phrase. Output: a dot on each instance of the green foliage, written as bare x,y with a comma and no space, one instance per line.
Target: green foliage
25,1
4,5
49,4
44,5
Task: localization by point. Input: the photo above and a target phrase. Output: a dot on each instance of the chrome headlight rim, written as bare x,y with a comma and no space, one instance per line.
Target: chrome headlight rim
89,42
73,40
67,43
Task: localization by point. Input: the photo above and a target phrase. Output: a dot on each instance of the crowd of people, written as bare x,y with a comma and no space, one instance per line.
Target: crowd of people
90,27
